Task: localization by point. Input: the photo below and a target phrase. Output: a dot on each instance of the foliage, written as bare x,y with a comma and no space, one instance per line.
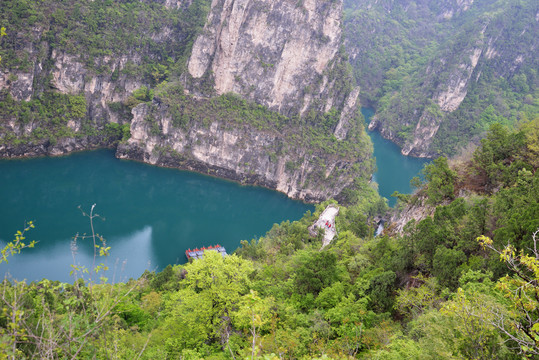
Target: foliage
440,181
14,247
51,117
432,292
521,325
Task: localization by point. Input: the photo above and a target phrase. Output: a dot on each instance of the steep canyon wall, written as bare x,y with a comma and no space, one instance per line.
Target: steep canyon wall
285,56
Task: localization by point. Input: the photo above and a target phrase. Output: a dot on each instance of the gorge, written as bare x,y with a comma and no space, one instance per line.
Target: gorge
124,107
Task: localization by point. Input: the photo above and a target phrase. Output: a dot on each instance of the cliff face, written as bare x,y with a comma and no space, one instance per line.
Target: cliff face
72,93
278,53
440,72
273,157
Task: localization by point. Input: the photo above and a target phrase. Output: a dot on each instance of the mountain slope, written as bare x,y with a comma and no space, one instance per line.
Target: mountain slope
439,73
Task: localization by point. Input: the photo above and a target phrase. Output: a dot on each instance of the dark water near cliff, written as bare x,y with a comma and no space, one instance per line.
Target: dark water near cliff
152,215
394,169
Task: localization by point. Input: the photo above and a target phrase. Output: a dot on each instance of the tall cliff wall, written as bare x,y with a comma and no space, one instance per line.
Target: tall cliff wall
264,151
64,89
279,53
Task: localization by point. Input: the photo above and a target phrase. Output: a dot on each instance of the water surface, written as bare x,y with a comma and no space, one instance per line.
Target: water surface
151,214
394,169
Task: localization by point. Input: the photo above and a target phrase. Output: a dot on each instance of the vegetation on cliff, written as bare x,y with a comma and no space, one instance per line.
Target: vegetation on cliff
451,68
436,291
306,145
98,35
91,30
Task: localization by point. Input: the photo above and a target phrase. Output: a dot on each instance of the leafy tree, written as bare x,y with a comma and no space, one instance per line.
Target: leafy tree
440,180
315,270
445,266
531,131
495,158
522,289
415,300
254,314
381,291
202,310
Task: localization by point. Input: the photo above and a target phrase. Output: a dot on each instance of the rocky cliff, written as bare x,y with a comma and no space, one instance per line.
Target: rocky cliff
65,89
273,154
439,73
279,53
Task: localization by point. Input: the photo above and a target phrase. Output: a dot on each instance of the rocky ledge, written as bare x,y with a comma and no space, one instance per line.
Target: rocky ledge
277,158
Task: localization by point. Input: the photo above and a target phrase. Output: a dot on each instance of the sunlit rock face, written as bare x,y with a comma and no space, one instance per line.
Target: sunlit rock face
278,53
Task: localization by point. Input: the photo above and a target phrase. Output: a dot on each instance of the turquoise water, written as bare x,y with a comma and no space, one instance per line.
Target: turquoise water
151,215
394,169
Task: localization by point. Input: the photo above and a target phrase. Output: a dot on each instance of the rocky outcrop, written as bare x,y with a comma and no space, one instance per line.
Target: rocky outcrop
456,88
70,76
416,211
241,152
278,53
347,114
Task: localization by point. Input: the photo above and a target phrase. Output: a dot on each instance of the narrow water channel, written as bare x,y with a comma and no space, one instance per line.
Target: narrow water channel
150,215
394,170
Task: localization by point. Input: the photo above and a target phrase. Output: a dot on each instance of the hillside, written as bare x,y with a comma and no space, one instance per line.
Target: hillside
440,72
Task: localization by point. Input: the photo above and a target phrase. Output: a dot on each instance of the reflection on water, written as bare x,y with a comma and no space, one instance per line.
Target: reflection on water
150,215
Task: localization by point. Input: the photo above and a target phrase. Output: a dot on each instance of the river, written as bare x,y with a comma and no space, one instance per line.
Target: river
394,170
151,214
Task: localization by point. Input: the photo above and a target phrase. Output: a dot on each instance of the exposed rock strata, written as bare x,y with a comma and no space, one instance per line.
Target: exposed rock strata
278,53
242,153
400,217
282,54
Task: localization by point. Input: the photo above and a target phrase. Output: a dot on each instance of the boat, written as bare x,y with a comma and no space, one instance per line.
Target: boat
199,253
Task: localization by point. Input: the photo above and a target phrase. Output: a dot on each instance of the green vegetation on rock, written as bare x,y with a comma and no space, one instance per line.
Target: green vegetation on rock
449,68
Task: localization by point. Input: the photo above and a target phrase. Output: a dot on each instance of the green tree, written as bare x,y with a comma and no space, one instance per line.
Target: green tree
440,181
521,288
445,266
201,311
254,314
315,270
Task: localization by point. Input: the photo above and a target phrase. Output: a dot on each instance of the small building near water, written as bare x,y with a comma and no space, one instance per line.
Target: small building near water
199,253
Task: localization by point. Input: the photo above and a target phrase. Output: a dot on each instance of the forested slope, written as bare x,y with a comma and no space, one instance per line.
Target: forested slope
438,290
440,72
